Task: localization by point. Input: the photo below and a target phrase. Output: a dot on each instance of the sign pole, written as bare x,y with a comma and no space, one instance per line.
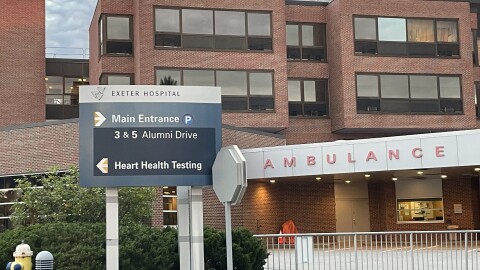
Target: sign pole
196,228
183,217
111,199
228,234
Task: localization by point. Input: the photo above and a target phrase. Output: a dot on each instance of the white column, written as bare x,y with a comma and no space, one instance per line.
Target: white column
196,228
111,199
183,218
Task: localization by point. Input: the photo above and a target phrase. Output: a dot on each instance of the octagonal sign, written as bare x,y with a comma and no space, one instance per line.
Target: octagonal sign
229,174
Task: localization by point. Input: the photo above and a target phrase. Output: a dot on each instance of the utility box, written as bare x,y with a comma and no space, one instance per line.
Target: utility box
453,235
304,252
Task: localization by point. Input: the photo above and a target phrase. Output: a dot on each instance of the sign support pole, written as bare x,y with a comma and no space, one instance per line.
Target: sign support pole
111,199
183,216
196,228
228,234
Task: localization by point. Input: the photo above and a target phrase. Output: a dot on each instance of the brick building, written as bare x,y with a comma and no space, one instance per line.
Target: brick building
22,54
291,72
311,71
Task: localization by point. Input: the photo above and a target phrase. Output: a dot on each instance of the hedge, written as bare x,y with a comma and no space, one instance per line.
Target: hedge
82,246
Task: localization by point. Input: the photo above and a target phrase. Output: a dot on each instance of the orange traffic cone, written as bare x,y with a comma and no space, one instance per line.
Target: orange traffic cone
281,240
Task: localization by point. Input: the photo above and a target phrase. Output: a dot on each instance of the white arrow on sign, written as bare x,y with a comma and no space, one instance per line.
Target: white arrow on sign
103,165
99,119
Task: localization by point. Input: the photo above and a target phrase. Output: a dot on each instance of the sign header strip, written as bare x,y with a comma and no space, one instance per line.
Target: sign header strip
149,93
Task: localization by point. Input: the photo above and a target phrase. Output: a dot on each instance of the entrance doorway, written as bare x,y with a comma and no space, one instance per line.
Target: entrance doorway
351,207
353,215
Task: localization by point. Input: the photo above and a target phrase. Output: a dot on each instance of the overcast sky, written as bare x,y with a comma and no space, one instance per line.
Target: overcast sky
67,23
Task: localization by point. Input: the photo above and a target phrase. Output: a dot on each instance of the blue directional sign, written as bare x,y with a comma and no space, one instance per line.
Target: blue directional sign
148,135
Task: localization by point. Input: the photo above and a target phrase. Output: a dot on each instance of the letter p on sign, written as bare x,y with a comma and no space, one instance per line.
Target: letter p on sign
187,119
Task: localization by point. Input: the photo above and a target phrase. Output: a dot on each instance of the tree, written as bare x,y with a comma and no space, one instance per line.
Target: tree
168,80
58,197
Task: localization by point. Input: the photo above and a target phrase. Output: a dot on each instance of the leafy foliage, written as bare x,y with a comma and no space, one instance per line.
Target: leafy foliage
248,251
58,197
82,246
168,80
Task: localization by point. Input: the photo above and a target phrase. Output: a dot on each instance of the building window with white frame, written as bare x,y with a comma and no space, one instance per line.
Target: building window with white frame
170,206
419,200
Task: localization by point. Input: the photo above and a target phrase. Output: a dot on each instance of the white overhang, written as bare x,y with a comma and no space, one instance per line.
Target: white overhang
434,150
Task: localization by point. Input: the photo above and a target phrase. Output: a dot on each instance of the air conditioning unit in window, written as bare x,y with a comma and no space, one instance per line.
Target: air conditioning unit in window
373,109
448,110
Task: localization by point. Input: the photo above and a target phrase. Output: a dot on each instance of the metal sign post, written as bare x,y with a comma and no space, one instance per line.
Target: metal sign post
112,252
183,218
229,183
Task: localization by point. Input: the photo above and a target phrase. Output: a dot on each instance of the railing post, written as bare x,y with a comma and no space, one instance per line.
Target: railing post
355,250
466,251
411,252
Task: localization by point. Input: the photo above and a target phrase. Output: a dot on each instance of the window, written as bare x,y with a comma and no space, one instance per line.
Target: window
406,36
63,90
230,30
307,98
116,79
397,93
477,96
420,210
474,48
170,206
241,90
306,42
212,29
115,35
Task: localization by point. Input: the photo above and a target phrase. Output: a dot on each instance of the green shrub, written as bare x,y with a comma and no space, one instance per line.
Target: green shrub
82,246
248,252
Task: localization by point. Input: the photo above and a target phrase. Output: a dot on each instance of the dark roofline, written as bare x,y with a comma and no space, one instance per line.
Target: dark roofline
254,131
66,60
306,3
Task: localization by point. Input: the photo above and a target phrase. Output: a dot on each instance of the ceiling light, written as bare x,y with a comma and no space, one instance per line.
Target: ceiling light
79,80
419,172
46,79
347,181
165,186
394,178
318,178
477,169
444,176
272,181
367,175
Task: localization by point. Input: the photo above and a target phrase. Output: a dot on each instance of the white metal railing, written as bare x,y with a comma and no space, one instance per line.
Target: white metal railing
419,250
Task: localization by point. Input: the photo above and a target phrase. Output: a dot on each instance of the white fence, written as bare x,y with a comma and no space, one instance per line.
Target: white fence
421,250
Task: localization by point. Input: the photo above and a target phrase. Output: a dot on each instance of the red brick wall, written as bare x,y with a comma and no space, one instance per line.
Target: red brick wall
147,58
39,147
110,64
213,210
22,58
342,86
